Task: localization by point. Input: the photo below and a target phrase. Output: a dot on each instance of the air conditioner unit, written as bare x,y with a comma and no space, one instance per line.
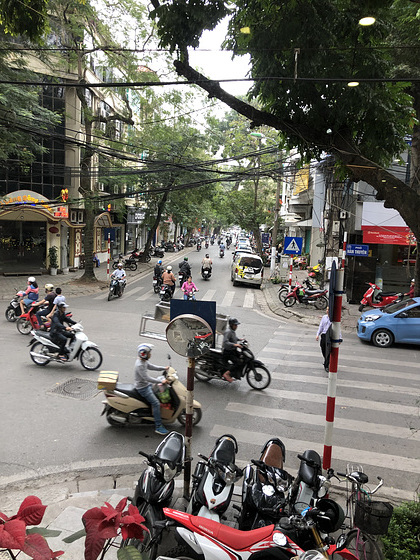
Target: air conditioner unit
336,227
343,215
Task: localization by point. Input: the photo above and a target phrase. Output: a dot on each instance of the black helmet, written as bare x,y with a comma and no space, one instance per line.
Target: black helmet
233,322
207,256
332,515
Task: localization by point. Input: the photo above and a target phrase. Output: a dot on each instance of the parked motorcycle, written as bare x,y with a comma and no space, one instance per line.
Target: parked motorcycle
221,253
206,273
316,272
28,321
157,252
318,298
169,246
116,288
43,350
378,299
165,292
129,263
264,488
284,288
209,539
155,488
211,365
309,485
213,480
157,284
124,405
13,310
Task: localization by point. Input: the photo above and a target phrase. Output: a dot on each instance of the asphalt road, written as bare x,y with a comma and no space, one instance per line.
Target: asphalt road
377,409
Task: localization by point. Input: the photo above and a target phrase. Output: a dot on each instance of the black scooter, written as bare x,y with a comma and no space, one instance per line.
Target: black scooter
211,365
165,292
12,312
155,488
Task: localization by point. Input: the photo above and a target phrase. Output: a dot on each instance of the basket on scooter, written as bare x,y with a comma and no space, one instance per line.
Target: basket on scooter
373,517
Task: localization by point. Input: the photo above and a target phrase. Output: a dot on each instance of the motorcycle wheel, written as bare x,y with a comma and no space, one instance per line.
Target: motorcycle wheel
23,326
283,294
289,301
156,289
144,547
110,418
196,417
115,265
200,374
321,302
39,349
110,294
258,377
133,265
361,307
148,258
10,315
91,358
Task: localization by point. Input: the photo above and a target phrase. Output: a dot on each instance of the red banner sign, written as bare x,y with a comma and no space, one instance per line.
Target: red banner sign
388,235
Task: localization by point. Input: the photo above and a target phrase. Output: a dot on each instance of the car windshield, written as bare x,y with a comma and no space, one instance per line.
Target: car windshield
251,262
394,307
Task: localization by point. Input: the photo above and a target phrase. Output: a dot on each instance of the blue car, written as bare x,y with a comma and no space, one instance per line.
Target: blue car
397,322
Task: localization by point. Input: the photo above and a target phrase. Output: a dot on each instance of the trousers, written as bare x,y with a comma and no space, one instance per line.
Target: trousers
148,394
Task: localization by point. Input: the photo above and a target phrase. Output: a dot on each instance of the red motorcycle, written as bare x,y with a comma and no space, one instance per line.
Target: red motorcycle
318,298
28,322
378,299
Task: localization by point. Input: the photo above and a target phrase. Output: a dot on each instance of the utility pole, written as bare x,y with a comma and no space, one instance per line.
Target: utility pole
276,221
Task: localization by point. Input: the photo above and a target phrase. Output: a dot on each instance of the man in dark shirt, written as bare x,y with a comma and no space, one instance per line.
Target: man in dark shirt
60,333
49,298
230,354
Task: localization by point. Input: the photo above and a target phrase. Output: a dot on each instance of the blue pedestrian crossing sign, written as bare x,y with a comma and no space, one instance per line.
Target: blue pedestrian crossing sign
293,245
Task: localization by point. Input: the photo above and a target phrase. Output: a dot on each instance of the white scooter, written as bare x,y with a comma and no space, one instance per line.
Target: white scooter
43,350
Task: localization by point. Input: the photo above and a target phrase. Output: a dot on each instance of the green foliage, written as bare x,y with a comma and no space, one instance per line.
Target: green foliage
24,17
53,256
402,539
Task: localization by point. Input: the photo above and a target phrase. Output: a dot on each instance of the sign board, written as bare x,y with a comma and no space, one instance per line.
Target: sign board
357,250
265,238
293,245
111,232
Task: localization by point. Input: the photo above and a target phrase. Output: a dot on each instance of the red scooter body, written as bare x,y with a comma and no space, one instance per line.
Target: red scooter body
28,321
210,536
379,300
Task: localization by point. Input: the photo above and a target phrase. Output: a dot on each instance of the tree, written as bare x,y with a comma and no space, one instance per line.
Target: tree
302,56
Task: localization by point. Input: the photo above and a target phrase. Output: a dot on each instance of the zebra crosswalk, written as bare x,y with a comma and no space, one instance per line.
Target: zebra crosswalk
377,406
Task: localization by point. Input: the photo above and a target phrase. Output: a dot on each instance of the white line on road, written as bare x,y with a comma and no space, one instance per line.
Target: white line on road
385,461
249,299
145,296
208,296
227,300
133,291
317,420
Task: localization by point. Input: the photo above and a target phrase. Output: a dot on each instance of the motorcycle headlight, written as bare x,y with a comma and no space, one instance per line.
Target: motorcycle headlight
168,472
370,318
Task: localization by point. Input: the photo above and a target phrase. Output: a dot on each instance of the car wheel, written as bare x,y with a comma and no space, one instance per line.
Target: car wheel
382,338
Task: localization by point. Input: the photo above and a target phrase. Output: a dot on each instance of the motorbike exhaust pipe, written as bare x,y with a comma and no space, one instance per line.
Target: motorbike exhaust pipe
36,355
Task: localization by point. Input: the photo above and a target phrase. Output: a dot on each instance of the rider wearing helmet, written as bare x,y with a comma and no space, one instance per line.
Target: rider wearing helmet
206,263
121,276
185,268
143,383
48,300
158,270
59,333
168,278
410,292
31,294
230,354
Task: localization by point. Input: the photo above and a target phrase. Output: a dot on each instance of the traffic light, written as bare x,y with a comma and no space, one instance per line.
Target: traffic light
109,207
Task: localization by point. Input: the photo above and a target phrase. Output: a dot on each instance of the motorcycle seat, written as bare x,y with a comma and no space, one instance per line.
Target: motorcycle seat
313,292
224,452
128,389
234,538
173,449
216,351
307,472
386,294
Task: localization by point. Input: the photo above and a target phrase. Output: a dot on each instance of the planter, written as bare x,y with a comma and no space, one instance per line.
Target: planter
53,271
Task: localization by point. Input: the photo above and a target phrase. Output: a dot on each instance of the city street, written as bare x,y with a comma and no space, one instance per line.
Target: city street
377,407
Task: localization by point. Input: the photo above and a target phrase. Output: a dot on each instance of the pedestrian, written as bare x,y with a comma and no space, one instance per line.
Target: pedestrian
324,331
96,260
143,383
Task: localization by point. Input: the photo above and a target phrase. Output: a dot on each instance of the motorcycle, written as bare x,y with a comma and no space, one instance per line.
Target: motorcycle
209,539
316,297
157,252
169,246
206,244
213,480
378,299
206,273
116,288
155,488
43,350
316,272
211,365
165,292
129,263
29,322
264,488
212,241
157,284
191,295
198,245
284,289
124,405
309,485
221,253
13,310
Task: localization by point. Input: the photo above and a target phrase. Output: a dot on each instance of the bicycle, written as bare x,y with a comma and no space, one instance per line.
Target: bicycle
366,518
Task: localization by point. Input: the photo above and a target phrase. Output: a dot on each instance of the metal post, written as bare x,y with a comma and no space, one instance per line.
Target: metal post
275,228
290,274
109,251
188,425
332,375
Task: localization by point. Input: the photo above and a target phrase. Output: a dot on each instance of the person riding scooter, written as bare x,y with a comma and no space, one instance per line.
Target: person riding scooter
143,383
31,294
230,354
169,279
184,269
121,276
59,334
158,270
48,300
206,263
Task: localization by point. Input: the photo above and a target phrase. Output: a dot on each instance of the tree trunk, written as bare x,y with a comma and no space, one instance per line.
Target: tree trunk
152,231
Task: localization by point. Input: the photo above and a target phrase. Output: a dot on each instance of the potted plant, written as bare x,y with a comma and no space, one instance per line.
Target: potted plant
53,260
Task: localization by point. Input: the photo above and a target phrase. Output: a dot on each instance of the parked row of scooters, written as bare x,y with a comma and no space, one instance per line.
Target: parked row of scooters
279,516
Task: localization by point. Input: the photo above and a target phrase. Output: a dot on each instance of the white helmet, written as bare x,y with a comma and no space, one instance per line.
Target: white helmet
120,264
169,268
143,350
49,287
31,279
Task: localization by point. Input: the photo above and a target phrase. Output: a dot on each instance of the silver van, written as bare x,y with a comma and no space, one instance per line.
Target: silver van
247,269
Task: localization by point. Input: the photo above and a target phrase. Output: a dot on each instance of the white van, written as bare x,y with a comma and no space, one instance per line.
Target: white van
247,269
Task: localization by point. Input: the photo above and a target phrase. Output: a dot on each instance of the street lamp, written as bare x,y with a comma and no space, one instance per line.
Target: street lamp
276,211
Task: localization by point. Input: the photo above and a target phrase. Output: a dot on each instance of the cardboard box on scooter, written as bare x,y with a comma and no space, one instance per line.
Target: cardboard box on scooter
107,380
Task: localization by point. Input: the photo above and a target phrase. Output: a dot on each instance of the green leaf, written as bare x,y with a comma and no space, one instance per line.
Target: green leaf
44,531
129,553
75,536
